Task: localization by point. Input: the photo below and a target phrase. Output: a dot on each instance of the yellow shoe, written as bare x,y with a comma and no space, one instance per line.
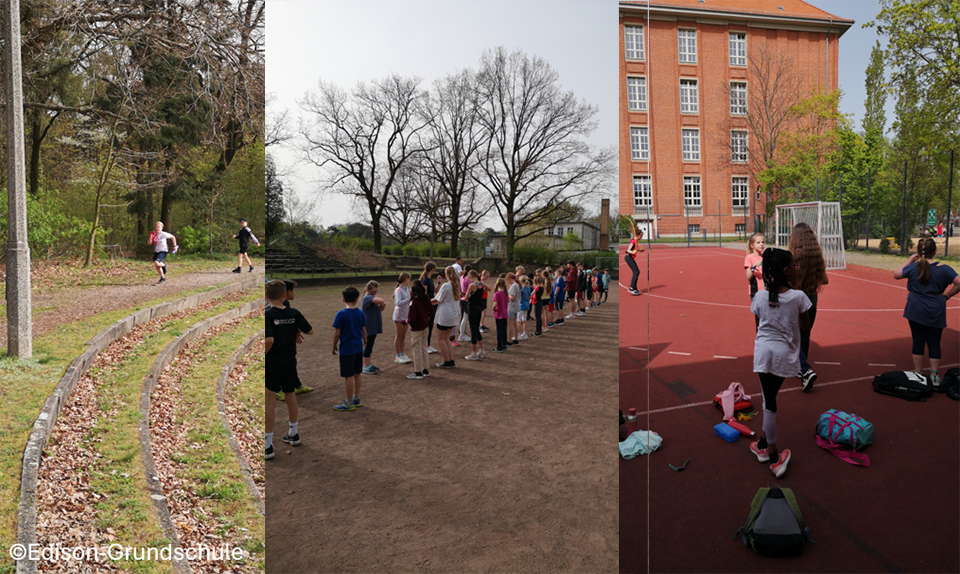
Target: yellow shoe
303,389
280,396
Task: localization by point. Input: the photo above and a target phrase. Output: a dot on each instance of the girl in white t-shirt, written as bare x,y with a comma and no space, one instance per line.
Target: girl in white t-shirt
448,313
781,313
401,298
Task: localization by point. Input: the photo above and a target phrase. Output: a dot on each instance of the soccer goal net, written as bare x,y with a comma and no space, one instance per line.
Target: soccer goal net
824,218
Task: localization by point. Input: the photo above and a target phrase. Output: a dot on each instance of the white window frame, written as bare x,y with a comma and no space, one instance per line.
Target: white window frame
639,135
735,41
738,110
689,90
687,45
740,192
637,94
739,228
633,42
642,194
739,153
691,135
692,195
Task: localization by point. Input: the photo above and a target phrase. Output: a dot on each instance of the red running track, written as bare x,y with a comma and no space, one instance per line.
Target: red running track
902,514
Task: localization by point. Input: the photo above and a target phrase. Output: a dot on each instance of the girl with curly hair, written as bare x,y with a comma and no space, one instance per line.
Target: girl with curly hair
810,278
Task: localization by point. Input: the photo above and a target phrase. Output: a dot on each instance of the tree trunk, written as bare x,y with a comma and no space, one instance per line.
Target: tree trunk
101,184
166,200
35,140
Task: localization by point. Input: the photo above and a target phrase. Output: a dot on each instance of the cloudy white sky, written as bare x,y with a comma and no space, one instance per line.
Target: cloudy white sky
349,42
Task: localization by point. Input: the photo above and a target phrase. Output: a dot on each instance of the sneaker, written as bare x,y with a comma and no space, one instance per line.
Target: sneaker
162,279
482,354
510,344
416,376
537,334
344,406
445,365
356,403
762,455
237,270
280,396
484,330
164,269
581,313
807,379
454,344
268,454
302,389
402,359
431,350
499,350
375,368
549,324
294,440
570,316
472,357
780,466
464,339
369,370
251,269
559,322
426,373
937,382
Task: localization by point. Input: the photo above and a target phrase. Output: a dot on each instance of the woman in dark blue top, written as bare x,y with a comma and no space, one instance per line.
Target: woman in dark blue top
426,278
926,308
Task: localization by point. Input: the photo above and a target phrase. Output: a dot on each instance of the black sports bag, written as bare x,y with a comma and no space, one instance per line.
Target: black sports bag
904,384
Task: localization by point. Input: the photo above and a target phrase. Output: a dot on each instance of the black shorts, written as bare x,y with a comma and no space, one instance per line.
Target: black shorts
444,327
571,295
351,365
243,250
159,256
280,374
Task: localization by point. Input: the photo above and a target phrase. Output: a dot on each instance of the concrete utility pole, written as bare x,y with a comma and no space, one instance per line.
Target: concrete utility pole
19,323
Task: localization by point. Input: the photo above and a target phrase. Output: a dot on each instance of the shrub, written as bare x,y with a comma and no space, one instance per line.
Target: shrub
535,254
192,240
884,245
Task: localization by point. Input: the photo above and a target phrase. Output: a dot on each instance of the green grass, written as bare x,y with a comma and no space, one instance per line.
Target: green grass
25,385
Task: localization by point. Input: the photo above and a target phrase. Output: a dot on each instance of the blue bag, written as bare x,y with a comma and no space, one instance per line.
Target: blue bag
837,429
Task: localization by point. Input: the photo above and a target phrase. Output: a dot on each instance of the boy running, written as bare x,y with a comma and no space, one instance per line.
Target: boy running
244,235
158,238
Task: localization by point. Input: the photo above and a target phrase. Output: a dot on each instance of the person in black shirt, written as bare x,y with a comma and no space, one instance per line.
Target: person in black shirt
244,235
280,360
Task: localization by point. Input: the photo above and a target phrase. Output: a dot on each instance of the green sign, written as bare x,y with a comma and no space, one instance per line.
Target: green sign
932,217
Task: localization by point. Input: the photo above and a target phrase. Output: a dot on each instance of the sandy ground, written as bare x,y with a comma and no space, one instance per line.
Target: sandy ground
495,466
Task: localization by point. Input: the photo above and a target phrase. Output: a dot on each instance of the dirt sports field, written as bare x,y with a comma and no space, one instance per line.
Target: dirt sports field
500,465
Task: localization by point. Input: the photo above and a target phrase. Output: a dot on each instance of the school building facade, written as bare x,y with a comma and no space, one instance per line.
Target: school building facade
690,73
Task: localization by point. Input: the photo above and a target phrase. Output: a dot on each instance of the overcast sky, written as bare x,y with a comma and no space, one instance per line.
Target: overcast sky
347,42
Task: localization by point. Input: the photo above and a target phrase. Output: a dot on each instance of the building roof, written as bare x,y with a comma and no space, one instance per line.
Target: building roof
790,8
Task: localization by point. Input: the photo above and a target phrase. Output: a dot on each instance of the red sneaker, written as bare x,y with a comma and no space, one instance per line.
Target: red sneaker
762,455
780,466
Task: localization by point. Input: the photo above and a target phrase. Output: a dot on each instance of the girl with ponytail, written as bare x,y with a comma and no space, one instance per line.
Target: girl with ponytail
781,313
926,308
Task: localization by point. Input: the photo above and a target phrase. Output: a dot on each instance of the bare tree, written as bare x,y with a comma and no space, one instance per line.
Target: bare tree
363,139
774,88
534,159
403,220
454,150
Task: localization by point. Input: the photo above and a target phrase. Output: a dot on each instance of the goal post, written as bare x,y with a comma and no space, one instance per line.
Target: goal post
824,218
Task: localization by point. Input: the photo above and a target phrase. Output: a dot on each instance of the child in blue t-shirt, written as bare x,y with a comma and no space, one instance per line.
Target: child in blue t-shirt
350,332
559,291
524,308
606,284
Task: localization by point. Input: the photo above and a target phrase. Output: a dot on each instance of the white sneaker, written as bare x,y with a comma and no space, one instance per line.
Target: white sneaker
402,359
472,357
482,354
431,350
464,339
570,316
415,376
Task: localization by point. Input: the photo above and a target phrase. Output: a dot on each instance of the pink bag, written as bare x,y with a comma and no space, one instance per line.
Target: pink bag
731,397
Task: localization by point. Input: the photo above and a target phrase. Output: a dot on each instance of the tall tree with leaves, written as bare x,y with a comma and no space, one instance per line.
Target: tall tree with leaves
534,155
274,199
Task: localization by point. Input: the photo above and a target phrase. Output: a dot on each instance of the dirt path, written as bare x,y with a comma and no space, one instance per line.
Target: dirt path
52,307
501,465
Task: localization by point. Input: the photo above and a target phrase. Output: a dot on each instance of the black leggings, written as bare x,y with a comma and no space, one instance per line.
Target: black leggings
634,268
473,315
805,340
368,348
538,311
771,386
501,334
929,336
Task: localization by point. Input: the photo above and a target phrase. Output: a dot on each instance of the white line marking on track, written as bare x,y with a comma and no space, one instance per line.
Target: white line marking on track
722,357
824,363
881,364
637,348
676,353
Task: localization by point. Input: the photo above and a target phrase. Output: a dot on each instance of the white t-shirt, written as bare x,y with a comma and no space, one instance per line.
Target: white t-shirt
458,269
161,244
448,308
777,349
401,297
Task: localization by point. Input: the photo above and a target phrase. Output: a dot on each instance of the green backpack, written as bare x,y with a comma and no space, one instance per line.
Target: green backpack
775,524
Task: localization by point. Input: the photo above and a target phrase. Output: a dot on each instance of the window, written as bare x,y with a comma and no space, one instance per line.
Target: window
687,46
738,98
690,142
693,228
740,228
633,42
639,144
692,204
738,146
642,194
738,48
741,195
689,102
636,94
549,231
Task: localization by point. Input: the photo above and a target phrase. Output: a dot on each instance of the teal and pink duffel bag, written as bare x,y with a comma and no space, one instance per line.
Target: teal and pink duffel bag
844,434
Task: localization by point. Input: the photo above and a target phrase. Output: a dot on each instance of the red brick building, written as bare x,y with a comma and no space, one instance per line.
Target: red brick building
694,77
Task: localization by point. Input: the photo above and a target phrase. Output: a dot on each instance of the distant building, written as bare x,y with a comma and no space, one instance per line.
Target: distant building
685,86
553,237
